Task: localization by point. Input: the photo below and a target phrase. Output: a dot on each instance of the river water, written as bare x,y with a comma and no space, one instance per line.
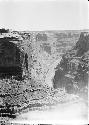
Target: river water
67,113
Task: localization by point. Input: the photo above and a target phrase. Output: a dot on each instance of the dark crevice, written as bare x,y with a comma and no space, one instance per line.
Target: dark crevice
8,72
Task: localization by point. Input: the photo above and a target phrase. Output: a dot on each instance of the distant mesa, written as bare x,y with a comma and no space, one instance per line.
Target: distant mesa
41,37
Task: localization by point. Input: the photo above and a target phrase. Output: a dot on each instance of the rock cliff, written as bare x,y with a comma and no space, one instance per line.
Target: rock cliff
72,72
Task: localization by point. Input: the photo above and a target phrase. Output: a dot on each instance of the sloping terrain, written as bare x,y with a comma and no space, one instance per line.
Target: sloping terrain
55,78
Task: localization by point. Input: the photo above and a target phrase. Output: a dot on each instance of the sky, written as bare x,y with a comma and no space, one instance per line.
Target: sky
35,15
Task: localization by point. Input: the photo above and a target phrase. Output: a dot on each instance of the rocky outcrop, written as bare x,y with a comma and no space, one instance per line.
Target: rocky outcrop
82,45
11,56
72,72
4,30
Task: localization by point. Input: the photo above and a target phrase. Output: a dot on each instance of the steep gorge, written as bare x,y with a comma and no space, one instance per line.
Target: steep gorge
72,72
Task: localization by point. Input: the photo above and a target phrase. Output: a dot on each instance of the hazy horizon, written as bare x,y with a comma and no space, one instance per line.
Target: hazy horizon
37,15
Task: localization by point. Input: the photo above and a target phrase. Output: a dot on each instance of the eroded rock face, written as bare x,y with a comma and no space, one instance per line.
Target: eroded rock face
82,45
72,72
10,59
